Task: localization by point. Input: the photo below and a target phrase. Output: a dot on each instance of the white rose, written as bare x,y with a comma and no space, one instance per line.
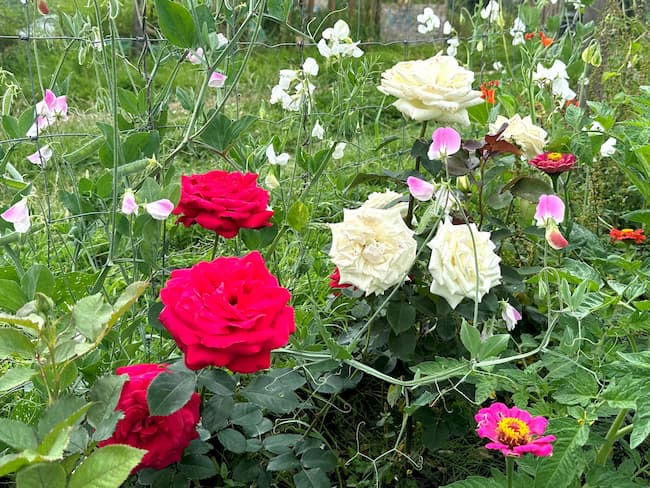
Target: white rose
453,263
387,199
437,88
372,248
529,137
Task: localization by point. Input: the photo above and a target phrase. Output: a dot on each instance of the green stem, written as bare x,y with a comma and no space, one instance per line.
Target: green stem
610,438
214,247
510,469
409,213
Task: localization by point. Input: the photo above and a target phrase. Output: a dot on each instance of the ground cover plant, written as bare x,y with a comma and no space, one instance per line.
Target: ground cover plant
233,260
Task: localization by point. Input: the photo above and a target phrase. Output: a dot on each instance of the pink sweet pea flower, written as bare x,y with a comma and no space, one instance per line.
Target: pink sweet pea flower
160,209
195,57
549,213
51,109
513,431
420,189
217,80
18,214
446,141
40,157
510,315
129,205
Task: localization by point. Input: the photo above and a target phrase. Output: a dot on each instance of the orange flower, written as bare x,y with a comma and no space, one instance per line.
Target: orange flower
529,35
546,41
627,235
573,101
487,93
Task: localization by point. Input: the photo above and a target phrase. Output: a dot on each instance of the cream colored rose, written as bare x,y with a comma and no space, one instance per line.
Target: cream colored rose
437,88
386,199
529,137
453,263
372,248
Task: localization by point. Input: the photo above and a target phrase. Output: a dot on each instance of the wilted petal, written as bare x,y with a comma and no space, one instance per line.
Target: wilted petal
129,205
160,209
40,157
18,214
420,189
549,207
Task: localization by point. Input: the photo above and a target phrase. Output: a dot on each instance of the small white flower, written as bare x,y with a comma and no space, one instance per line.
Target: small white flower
195,57
281,159
608,148
336,42
40,157
510,315
517,32
428,21
446,28
310,67
221,40
318,132
491,11
497,66
453,43
339,150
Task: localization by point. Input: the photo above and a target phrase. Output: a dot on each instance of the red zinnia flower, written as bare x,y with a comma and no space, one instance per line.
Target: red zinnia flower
553,162
513,431
529,35
627,235
546,41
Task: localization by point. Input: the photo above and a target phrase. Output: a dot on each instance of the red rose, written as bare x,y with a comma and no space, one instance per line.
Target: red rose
165,438
223,202
229,312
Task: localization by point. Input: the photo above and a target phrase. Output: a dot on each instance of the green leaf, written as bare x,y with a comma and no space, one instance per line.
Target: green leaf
107,467
38,278
311,478
12,296
41,475
641,423
105,394
170,391
298,215
176,23
471,338
216,412
222,132
232,440
319,458
15,343
256,239
528,188
13,462
279,9
90,315
400,316
17,435
217,381
283,462
65,411
197,467
493,346
10,125
27,118
475,482
15,377
273,395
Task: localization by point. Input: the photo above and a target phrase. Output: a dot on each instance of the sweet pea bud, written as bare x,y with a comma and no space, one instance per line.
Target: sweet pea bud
463,184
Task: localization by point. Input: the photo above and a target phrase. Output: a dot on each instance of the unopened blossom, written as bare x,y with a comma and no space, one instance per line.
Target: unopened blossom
336,42
491,11
553,162
445,142
129,205
160,209
18,215
217,80
339,150
372,248
221,40
548,214
510,315
513,431
279,159
428,21
317,131
271,182
522,132
447,28
517,32
48,111
40,157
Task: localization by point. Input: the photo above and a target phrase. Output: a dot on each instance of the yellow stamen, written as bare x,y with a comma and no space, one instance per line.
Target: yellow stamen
554,156
513,432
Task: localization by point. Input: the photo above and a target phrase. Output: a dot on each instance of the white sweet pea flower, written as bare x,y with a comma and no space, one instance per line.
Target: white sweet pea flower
281,159
452,48
491,11
221,40
446,28
310,67
318,132
339,150
497,66
517,32
336,42
428,21
608,148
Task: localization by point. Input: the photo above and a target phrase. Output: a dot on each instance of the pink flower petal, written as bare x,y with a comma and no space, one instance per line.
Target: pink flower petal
49,98
160,209
446,141
555,238
129,205
549,207
217,80
420,189
18,214
40,157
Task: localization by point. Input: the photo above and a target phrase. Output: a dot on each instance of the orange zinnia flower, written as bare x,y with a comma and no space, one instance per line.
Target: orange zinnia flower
627,235
546,41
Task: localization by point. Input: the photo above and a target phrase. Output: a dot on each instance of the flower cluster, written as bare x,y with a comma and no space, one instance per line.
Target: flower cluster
513,431
437,88
228,312
491,11
48,111
163,437
294,87
517,31
336,42
223,202
429,21
556,76
627,235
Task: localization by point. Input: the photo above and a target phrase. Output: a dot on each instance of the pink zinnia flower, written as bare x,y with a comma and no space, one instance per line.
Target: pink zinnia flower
513,431
553,162
446,141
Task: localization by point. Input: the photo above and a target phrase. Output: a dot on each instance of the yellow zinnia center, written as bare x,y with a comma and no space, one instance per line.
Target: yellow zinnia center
554,156
627,231
513,432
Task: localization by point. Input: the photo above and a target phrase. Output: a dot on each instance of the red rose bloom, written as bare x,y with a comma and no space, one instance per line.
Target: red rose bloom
335,279
627,235
165,438
223,202
229,312
553,162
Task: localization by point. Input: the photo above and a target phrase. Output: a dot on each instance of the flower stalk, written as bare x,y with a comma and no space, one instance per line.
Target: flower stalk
418,162
611,437
510,469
